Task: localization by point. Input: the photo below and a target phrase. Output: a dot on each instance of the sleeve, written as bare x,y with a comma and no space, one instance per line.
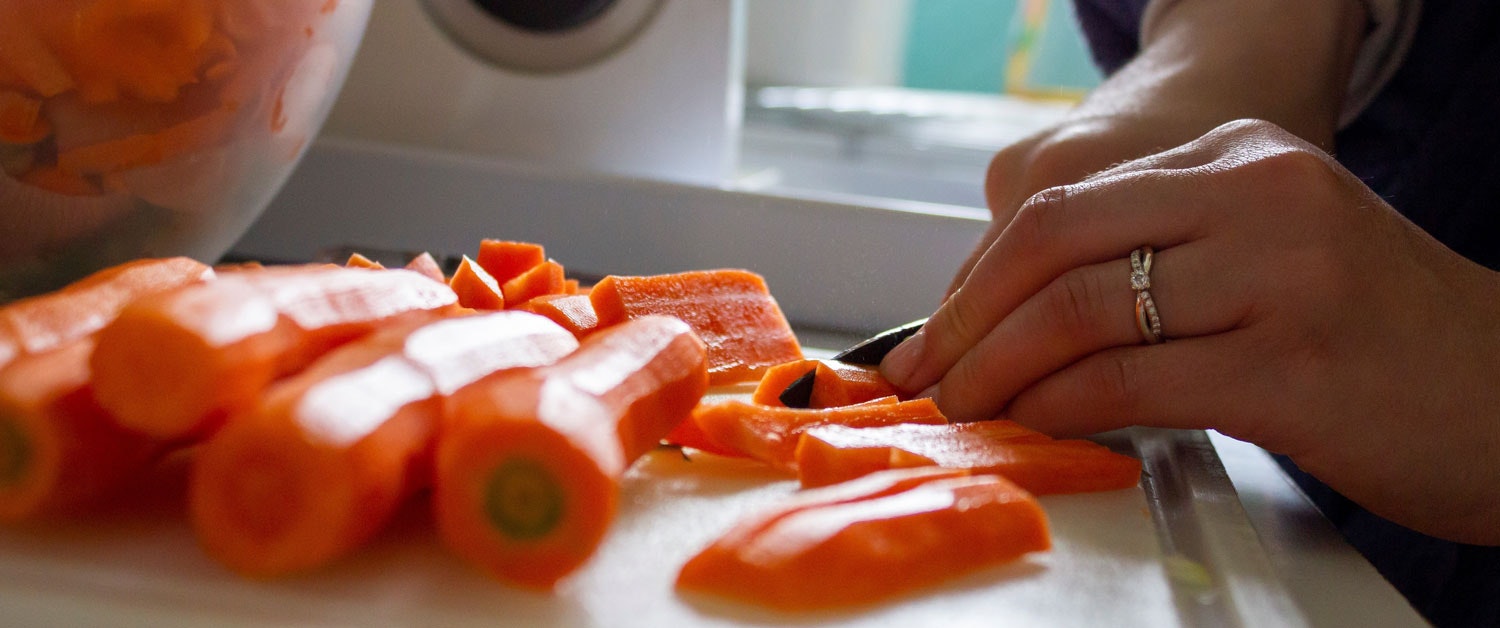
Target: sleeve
1392,25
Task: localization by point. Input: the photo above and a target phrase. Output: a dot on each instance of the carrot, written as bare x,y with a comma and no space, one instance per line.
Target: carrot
544,278
48,321
428,267
770,433
529,463
476,288
827,454
731,310
20,119
143,149
176,364
321,464
28,58
505,260
59,451
357,260
573,311
843,553
834,383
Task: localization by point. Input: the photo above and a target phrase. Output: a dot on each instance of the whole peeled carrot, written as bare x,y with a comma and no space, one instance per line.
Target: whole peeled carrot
47,321
59,451
320,465
175,364
529,462
830,552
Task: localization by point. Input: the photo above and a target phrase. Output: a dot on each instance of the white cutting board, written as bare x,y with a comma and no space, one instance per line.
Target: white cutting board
1106,568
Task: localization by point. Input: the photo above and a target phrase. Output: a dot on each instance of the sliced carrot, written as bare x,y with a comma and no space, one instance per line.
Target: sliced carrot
505,259
357,260
48,321
59,451
731,310
20,119
148,148
28,57
529,463
544,278
476,288
573,311
321,464
827,454
865,551
835,383
770,433
428,267
176,364
573,286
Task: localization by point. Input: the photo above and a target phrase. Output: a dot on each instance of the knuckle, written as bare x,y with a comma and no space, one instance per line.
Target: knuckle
1072,301
1038,221
962,320
1115,378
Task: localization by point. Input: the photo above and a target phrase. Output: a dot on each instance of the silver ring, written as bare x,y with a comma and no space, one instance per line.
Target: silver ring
1146,317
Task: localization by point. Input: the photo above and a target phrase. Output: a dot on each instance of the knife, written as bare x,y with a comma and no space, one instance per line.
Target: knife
868,352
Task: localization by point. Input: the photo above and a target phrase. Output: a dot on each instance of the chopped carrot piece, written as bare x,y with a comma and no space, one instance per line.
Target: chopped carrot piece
770,433
20,119
357,260
505,260
573,311
544,278
573,286
428,267
529,462
731,310
476,288
51,320
321,464
59,451
148,148
847,553
827,454
176,364
28,57
835,383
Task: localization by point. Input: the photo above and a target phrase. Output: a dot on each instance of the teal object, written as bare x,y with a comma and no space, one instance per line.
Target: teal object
968,45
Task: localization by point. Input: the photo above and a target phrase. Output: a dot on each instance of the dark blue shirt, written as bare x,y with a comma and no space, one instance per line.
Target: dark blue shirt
1429,144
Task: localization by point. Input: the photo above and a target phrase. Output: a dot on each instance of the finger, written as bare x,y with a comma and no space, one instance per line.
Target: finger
1205,382
991,233
1085,311
1057,230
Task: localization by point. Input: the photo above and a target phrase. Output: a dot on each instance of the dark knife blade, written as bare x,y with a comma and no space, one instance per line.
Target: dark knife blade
868,352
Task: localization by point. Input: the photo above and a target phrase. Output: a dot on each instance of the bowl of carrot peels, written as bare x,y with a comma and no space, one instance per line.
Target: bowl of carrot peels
154,128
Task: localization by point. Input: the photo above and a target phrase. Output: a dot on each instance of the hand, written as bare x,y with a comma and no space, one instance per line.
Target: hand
1304,314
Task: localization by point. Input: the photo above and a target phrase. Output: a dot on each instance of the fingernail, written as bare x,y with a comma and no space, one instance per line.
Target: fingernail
901,363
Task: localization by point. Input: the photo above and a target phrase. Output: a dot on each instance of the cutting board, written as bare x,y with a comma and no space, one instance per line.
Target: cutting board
1176,550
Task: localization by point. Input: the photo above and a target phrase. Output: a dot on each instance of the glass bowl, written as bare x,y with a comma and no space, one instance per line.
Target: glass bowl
153,128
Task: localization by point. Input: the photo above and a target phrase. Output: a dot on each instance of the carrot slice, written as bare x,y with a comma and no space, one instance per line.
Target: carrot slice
175,364
145,149
27,56
865,551
770,433
835,383
476,288
573,311
320,466
731,310
544,278
505,259
827,454
81,308
59,451
428,267
20,119
529,463
357,260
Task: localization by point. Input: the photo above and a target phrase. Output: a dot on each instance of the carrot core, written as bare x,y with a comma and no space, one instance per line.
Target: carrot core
15,452
523,500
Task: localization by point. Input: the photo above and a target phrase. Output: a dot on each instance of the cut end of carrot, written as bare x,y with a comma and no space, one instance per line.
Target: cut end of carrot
523,500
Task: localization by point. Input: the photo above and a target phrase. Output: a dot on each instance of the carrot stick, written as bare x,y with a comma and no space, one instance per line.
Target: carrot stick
731,310
59,451
770,433
175,364
544,278
145,149
573,311
476,288
505,260
844,553
835,383
428,267
529,463
81,308
321,464
827,454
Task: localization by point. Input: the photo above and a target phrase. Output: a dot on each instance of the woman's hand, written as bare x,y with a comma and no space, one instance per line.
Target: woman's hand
1304,314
